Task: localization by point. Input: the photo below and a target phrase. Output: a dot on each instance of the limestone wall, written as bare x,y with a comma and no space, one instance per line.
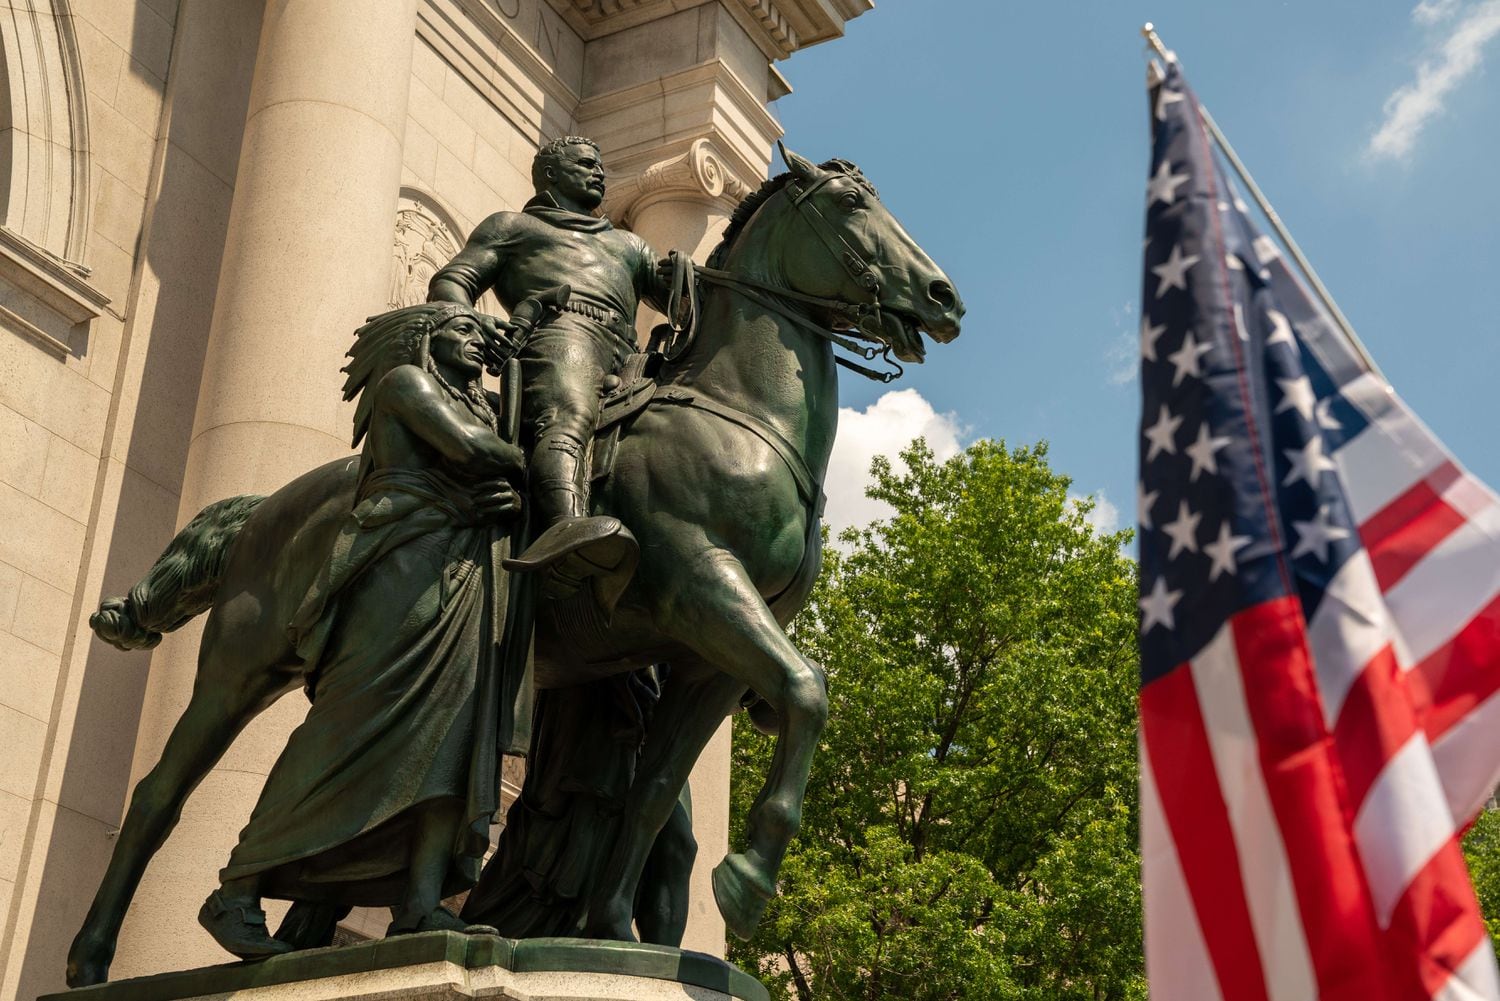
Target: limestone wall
89,480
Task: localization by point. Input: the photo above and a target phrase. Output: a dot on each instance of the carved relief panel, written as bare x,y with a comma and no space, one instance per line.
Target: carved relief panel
426,239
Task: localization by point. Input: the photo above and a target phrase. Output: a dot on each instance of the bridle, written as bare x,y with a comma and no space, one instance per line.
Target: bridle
862,319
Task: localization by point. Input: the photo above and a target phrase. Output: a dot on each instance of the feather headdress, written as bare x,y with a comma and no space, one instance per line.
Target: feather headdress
400,337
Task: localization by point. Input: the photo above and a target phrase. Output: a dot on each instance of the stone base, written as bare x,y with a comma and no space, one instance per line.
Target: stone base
448,966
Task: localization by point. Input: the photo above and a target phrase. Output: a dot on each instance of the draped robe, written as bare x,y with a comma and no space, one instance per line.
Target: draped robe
414,700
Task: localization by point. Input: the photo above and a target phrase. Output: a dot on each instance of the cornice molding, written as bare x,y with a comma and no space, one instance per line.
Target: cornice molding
747,150
779,27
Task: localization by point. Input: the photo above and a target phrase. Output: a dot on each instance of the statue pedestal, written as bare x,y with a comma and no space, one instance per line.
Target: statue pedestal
446,966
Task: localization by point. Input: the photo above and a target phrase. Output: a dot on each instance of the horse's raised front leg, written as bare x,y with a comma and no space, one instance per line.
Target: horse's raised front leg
715,609
227,694
690,712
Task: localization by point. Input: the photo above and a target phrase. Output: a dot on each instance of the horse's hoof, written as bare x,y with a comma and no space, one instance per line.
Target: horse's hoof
240,927
610,933
87,965
437,919
610,929
742,894
87,974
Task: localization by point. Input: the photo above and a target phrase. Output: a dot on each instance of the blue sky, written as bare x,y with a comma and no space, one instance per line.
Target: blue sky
1012,140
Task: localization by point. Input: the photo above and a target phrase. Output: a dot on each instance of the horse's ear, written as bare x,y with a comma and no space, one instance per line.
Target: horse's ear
802,168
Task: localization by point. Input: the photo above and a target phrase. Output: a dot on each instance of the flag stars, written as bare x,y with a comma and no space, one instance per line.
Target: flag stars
1317,535
1144,502
1185,359
1308,463
1165,99
1203,451
1221,552
1164,184
1160,434
1150,334
1297,394
1173,271
1324,411
1265,249
1183,531
1156,607
1281,330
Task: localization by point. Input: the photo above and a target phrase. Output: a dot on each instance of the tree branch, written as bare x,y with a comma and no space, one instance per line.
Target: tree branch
799,979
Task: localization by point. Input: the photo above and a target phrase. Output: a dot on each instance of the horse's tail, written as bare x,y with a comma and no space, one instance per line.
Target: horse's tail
180,584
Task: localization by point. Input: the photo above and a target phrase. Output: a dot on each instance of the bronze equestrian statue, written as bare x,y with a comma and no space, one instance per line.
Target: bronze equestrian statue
718,476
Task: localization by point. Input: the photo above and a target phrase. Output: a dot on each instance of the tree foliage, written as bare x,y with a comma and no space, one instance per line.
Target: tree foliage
1482,851
970,826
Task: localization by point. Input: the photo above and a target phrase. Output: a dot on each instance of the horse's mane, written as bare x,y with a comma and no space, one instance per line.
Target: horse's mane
742,213
752,202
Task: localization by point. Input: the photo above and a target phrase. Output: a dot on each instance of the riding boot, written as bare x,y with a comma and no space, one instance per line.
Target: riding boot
574,548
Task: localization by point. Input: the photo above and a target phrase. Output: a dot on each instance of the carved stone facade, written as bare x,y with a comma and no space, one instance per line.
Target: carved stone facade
198,202
424,243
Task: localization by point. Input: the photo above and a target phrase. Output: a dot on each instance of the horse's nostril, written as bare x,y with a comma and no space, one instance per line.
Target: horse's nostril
942,293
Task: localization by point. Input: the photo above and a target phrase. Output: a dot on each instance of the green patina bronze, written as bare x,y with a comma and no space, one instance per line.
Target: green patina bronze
446,956
387,605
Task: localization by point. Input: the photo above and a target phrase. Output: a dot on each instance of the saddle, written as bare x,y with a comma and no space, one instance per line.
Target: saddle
623,397
636,388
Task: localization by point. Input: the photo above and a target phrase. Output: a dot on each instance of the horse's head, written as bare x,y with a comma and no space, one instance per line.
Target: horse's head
840,243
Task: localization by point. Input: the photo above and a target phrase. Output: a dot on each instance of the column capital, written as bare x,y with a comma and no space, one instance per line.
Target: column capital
699,174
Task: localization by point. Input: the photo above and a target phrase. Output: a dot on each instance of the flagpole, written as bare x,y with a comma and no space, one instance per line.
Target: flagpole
1149,32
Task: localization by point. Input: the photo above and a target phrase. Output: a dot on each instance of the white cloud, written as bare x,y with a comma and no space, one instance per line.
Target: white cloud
1459,56
886,427
1123,356
1434,11
1105,517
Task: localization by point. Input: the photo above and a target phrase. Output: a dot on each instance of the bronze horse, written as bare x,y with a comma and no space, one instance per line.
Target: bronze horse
720,481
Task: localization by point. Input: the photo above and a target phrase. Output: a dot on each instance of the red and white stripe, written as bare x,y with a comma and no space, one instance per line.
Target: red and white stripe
1304,784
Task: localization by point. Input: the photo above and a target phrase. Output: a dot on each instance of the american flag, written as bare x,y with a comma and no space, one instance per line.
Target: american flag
1320,631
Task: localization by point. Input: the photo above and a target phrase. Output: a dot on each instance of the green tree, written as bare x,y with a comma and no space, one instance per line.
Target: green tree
1482,851
970,826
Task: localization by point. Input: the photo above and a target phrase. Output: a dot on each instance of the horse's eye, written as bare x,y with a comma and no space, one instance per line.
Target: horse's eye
849,201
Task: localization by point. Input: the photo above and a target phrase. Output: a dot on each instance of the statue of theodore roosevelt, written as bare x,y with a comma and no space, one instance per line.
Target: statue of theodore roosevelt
552,240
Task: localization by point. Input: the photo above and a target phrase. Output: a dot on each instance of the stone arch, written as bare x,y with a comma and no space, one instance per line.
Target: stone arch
44,169
427,237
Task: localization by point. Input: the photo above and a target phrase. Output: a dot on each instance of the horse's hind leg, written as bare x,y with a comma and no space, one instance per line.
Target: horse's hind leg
681,725
721,615
228,692
715,609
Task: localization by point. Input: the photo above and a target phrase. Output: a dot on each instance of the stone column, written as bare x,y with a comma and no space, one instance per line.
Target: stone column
683,203
680,203
307,258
